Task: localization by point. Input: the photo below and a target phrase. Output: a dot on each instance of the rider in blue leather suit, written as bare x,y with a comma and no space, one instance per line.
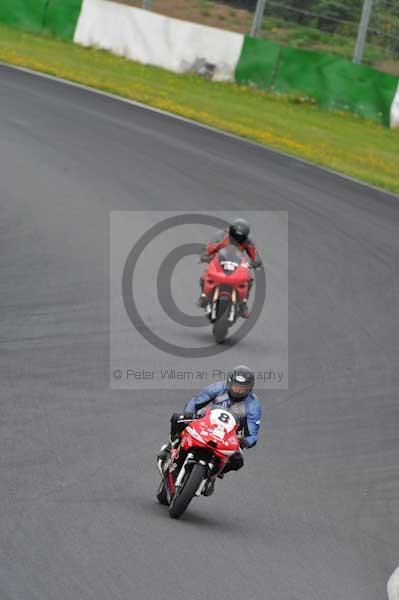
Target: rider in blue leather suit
235,394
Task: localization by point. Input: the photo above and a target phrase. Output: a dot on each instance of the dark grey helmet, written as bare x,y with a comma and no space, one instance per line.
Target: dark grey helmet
239,230
240,382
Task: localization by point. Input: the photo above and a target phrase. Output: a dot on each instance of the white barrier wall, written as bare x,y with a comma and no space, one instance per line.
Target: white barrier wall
153,39
394,120
393,583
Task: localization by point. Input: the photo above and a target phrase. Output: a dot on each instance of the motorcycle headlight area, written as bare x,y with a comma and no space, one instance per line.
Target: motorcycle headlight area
229,266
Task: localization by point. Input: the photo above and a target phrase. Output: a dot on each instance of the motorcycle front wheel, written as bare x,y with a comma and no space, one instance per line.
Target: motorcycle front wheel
186,492
221,325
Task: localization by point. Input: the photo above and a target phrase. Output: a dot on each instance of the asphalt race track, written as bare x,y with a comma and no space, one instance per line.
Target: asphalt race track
315,513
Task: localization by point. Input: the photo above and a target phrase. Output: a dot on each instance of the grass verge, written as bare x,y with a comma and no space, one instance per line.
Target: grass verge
340,141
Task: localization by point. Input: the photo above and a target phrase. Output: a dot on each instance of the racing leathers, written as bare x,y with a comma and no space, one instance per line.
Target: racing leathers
247,411
221,240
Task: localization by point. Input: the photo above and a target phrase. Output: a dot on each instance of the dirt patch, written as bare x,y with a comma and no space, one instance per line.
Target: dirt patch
208,13
389,66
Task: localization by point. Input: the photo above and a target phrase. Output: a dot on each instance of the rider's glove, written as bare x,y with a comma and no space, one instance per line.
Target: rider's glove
243,443
206,258
257,263
178,417
189,415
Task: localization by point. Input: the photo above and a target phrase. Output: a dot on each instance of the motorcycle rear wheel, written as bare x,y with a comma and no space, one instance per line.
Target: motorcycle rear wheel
185,494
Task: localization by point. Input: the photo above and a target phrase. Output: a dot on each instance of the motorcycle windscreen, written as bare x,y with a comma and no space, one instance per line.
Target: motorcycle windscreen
230,258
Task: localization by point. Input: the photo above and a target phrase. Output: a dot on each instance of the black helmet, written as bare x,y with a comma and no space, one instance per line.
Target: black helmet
240,383
239,230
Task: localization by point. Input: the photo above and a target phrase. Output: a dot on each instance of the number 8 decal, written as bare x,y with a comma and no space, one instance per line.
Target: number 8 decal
224,417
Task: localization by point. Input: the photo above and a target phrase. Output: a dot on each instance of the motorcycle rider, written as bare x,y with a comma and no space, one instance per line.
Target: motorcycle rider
237,234
237,395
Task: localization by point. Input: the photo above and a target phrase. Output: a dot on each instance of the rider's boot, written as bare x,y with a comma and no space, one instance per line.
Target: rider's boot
202,301
164,452
210,487
243,311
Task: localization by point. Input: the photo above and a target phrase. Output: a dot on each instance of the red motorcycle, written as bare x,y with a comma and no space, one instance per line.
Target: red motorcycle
226,284
196,458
